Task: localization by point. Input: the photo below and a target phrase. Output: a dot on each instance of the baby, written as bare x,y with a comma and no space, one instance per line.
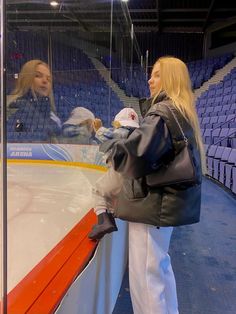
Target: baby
79,126
109,185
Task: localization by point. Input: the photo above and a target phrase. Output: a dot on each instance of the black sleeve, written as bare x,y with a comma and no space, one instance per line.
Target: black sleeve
144,149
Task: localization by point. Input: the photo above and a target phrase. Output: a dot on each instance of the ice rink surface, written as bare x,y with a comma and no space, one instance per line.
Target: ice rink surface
45,202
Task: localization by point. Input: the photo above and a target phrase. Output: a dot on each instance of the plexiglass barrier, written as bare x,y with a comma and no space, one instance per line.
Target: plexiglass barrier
67,66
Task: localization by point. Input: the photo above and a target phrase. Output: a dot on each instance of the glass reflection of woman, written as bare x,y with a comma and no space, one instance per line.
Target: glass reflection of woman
32,105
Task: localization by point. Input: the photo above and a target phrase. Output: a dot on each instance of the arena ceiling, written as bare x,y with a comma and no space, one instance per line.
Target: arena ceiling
192,16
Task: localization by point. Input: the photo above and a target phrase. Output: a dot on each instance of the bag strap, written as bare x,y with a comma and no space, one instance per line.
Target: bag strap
176,120
166,112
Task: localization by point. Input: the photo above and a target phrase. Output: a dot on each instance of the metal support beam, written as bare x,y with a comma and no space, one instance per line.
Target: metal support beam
210,10
158,9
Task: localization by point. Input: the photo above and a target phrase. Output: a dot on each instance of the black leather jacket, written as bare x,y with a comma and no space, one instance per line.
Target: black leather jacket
138,156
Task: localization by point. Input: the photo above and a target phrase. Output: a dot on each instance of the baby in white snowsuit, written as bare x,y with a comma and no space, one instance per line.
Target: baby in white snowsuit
109,185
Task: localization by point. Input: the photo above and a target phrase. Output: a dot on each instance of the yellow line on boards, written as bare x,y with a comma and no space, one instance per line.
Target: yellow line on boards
58,163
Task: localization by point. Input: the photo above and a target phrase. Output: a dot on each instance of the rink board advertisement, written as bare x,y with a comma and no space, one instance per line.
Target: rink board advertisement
58,152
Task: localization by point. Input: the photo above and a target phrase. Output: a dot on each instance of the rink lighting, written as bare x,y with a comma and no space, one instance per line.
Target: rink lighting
124,0
54,3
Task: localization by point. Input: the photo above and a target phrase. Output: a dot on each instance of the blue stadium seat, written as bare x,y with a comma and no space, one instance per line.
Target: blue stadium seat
229,169
224,160
216,161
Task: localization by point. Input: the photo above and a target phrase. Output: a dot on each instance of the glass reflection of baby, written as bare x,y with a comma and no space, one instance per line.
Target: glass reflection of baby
109,185
80,126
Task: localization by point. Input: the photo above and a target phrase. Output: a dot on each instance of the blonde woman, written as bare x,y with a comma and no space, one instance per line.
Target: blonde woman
146,152
33,105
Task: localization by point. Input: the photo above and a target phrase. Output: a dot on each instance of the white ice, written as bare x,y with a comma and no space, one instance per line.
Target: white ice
44,203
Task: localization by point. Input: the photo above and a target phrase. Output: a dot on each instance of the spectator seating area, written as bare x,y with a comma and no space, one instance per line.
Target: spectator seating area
24,46
221,163
93,96
78,83
202,70
68,58
134,81
217,116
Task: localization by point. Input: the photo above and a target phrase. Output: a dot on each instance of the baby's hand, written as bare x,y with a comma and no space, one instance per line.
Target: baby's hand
97,123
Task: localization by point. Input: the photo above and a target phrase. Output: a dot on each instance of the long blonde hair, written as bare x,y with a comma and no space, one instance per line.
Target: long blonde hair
176,83
25,81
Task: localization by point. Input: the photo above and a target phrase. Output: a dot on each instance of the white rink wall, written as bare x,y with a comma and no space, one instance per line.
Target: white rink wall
36,173
96,289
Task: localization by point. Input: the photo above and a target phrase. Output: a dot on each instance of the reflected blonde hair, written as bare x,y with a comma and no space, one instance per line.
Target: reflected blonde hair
176,83
25,81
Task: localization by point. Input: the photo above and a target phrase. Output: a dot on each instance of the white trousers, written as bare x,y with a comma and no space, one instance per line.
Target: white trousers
152,281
